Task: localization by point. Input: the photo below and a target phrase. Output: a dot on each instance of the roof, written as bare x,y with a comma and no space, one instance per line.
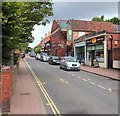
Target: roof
84,26
117,28
80,25
63,24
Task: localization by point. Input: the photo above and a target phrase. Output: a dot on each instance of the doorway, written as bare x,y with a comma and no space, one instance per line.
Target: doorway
92,56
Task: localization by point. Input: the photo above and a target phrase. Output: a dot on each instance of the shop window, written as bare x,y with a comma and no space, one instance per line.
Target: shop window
100,56
89,56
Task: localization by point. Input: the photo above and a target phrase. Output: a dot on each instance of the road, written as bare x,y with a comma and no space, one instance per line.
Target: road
73,92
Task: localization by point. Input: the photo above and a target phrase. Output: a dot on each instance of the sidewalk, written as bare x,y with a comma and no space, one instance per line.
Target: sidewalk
110,73
26,99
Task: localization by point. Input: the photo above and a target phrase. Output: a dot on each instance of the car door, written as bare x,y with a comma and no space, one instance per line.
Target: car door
63,63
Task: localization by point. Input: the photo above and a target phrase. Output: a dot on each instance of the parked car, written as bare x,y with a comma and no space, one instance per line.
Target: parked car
54,60
69,63
37,56
32,54
44,57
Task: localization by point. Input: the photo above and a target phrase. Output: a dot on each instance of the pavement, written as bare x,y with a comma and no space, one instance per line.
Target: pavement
27,99
109,73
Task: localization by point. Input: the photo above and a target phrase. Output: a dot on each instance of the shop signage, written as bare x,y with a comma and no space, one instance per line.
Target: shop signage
95,40
80,44
69,35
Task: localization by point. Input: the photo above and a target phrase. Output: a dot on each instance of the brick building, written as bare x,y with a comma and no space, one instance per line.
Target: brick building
45,43
63,29
98,46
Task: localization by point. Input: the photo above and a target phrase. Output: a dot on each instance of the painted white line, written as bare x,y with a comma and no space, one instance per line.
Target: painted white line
78,77
101,86
92,83
73,75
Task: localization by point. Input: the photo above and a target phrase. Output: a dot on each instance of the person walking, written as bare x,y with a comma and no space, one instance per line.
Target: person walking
23,56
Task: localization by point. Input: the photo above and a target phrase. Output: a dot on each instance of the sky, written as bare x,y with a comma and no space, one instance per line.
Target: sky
76,10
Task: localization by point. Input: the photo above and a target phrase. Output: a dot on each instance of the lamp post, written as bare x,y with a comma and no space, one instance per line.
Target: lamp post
72,54
111,38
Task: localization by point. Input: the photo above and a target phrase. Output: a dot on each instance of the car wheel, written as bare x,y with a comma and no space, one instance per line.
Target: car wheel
60,67
65,68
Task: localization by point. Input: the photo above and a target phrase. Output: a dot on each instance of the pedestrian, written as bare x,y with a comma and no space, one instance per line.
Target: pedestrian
23,56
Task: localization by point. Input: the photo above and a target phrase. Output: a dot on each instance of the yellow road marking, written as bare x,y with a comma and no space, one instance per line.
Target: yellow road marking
48,104
109,89
49,100
63,80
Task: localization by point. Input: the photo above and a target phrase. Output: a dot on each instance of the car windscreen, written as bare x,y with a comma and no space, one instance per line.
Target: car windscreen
71,60
55,58
45,54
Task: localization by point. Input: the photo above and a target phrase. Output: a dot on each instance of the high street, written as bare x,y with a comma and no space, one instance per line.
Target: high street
73,92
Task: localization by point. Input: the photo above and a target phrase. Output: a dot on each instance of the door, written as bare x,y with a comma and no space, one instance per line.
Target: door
110,61
92,56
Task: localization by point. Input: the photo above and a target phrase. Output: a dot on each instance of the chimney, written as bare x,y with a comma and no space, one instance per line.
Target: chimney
45,35
48,33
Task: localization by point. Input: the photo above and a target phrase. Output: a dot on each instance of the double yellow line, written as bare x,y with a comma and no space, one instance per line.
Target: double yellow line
49,100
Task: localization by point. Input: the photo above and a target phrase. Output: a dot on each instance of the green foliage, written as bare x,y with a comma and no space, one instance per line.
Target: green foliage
98,19
28,49
16,56
37,50
18,19
113,20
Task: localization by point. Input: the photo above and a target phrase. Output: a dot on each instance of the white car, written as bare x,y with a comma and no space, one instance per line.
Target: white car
69,63
38,56
44,57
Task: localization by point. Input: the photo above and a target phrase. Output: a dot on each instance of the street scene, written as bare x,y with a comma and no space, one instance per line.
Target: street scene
60,62
76,92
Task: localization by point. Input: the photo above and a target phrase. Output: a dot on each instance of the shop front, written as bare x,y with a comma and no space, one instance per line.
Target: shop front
80,51
95,52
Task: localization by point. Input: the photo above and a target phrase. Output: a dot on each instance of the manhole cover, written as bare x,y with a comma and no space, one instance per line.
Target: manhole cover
25,93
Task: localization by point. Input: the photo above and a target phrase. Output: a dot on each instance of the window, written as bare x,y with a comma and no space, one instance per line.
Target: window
100,55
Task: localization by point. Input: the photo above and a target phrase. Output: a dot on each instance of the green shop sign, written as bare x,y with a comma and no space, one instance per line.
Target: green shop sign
69,35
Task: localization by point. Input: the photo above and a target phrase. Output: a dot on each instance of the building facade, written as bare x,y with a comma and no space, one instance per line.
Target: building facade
99,47
64,32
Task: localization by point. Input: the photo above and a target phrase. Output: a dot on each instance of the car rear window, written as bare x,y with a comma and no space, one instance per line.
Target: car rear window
71,60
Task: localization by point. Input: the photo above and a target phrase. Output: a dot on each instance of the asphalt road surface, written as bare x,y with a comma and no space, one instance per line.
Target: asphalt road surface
73,92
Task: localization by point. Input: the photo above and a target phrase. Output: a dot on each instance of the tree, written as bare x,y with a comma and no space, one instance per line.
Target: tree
28,49
114,20
98,19
18,19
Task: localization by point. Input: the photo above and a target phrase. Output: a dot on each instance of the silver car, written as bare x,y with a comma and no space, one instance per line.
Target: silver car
69,63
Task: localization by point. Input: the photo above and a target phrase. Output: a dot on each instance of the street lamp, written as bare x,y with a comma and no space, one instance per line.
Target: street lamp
111,38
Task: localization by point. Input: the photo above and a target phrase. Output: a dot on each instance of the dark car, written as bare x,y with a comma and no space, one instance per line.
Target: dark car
54,60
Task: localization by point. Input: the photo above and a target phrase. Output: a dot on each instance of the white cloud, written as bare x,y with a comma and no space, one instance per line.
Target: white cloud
39,31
